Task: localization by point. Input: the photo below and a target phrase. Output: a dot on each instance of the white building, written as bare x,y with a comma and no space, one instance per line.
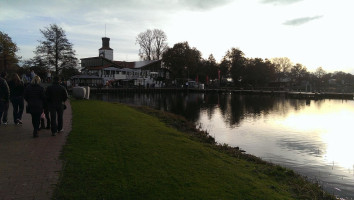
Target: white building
103,70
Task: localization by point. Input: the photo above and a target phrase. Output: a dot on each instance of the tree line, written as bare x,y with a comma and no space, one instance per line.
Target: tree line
239,71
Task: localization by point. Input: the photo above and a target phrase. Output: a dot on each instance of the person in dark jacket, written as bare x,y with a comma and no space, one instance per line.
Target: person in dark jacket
16,96
56,95
34,95
5,102
4,97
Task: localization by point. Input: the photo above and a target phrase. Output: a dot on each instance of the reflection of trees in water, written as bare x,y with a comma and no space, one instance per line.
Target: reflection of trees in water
186,105
233,108
319,103
239,107
297,104
210,103
237,110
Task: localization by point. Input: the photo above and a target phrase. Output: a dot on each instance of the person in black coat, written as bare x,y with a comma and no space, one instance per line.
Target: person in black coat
4,101
34,95
4,96
56,95
16,96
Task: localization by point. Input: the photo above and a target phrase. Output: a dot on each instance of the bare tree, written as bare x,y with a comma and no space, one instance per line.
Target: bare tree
319,73
152,44
160,43
145,39
282,66
298,72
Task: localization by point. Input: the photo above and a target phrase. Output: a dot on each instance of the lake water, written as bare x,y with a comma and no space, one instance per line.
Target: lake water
314,138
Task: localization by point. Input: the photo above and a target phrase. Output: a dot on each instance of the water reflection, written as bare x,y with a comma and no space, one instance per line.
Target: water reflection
330,124
311,137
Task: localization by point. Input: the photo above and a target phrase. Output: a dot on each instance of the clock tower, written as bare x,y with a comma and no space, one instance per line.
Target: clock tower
105,51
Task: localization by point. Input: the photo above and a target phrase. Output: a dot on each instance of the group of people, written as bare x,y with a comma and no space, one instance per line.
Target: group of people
49,102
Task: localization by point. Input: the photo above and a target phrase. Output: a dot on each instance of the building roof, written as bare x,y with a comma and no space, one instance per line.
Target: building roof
97,57
100,67
145,63
84,76
89,58
105,48
148,64
120,64
111,63
136,64
125,64
127,70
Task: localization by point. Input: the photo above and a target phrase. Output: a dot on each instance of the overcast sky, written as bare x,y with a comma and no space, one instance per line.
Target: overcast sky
311,32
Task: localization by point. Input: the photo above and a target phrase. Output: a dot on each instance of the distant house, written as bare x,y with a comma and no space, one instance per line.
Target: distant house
104,71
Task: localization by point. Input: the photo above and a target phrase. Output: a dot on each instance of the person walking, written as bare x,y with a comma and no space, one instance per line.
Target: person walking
4,96
56,96
16,97
34,95
6,102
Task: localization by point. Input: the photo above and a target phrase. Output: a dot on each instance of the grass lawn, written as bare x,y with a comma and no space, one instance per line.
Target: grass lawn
117,152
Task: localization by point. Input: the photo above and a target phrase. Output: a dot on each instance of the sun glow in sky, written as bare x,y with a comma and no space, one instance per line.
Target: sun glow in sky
313,32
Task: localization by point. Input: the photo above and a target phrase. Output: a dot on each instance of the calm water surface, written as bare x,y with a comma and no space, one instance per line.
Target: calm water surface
314,138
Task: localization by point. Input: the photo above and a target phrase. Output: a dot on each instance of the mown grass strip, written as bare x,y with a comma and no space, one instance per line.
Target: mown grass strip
117,152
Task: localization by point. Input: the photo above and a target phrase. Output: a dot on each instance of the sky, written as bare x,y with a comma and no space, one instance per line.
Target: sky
314,33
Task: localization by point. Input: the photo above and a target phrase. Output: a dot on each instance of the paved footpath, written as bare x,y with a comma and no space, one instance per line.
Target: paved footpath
30,167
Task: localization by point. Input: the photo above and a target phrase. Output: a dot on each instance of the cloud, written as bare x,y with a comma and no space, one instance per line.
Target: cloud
167,4
65,5
301,21
280,2
202,4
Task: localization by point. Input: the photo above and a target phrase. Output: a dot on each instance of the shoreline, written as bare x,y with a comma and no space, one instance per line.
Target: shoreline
180,123
288,94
